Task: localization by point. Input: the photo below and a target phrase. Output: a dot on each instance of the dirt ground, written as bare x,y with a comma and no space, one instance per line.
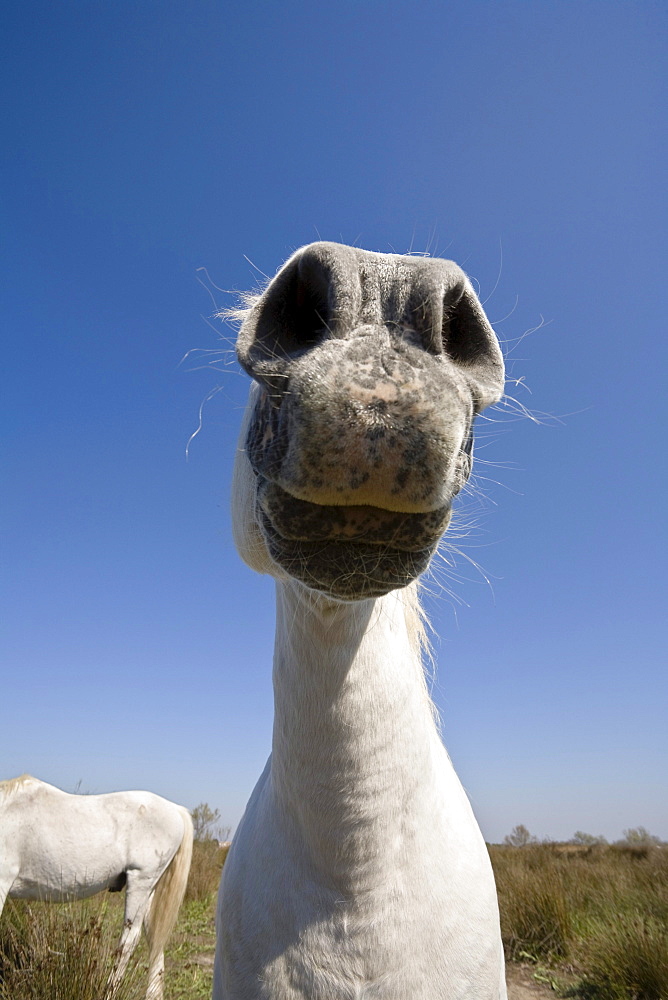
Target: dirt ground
522,985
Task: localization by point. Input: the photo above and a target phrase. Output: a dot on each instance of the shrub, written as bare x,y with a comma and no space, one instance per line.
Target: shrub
519,836
583,839
638,836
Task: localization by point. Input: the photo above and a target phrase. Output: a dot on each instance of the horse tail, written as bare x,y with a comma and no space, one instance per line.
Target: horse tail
169,892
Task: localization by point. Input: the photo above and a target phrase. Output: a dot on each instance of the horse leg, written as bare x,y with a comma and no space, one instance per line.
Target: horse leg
4,889
8,875
137,900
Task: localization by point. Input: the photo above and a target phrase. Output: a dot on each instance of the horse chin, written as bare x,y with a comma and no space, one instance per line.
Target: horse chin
349,553
347,571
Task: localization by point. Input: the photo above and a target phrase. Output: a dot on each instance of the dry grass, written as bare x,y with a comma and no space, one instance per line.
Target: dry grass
599,913
63,952
66,951
596,918
629,959
207,864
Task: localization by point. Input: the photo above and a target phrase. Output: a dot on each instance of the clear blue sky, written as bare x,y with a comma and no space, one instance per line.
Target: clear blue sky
143,141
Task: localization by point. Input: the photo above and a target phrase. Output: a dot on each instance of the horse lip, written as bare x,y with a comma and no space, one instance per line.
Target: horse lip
296,520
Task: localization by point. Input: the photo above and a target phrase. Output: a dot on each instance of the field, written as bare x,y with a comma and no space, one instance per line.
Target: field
584,922
593,921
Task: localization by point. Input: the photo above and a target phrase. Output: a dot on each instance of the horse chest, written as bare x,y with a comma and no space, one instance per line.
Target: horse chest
291,935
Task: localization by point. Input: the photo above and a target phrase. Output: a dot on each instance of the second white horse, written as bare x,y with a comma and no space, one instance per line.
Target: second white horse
55,847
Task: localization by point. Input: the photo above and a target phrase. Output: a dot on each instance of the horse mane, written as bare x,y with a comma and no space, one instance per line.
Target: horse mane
417,622
12,785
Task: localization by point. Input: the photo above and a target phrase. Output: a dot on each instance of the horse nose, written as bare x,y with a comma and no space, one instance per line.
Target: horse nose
327,291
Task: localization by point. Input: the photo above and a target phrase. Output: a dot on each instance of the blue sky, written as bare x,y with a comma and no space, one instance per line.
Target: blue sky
146,141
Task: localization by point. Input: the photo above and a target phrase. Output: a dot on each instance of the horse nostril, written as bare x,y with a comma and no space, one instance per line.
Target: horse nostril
307,319
465,331
290,318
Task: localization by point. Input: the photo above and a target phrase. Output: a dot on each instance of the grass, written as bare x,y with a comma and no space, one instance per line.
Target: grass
593,921
66,951
63,952
207,864
597,915
189,955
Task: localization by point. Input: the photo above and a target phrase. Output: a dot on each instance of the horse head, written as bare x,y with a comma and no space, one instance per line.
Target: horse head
368,371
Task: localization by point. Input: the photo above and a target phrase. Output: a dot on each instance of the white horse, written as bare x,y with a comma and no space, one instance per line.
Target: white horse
358,869
56,847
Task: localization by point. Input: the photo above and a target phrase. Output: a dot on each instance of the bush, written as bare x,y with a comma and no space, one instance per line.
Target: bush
519,836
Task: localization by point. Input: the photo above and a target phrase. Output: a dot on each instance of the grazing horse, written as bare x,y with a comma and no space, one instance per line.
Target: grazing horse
358,871
56,847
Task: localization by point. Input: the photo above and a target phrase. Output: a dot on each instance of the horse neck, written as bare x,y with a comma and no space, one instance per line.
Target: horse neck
354,744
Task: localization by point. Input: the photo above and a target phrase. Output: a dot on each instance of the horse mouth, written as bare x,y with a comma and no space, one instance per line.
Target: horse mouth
347,552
